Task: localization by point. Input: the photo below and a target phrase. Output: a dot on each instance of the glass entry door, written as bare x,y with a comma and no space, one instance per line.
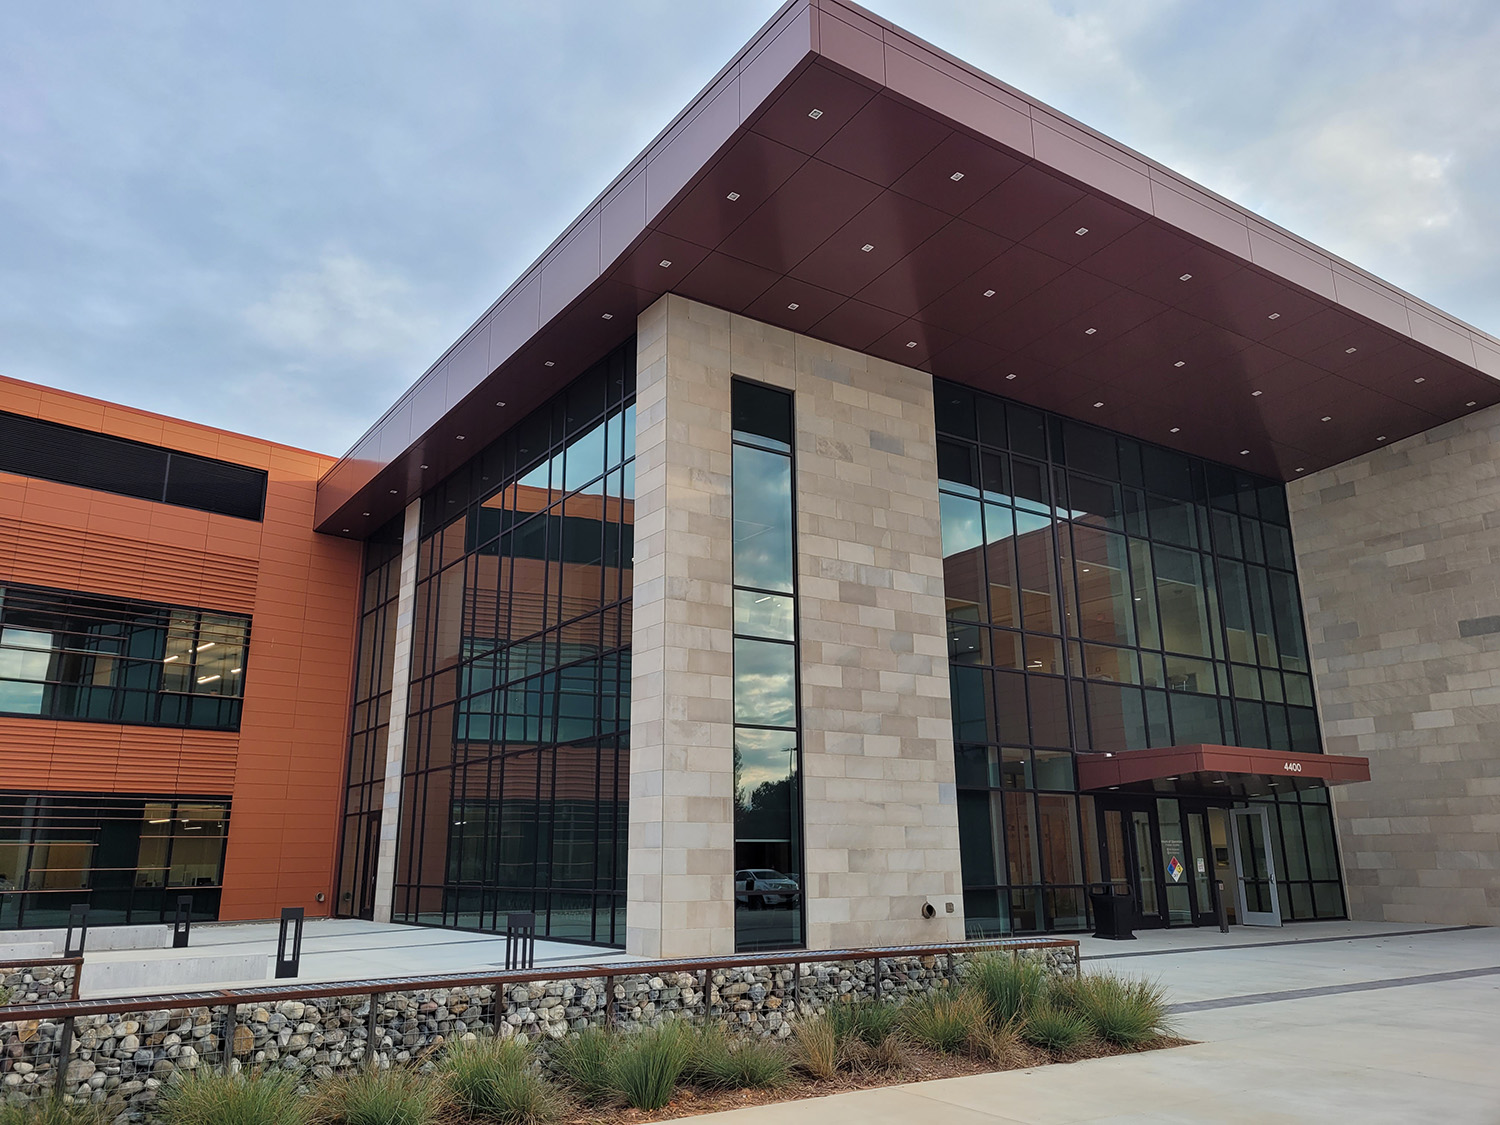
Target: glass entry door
1255,872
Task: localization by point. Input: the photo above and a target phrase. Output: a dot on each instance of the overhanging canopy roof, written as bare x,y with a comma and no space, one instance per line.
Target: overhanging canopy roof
843,179
1216,771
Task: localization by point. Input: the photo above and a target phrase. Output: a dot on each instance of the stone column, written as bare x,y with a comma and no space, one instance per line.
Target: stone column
880,808
680,899
395,740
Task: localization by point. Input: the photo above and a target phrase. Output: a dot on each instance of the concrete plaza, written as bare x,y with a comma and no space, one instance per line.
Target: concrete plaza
1319,1022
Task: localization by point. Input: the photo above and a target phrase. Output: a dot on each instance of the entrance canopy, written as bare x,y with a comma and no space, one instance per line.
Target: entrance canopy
842,179
1216,771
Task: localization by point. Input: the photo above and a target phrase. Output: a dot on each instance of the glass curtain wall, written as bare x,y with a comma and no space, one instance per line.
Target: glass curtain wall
127,858
516,770
73,656
1102,595
374,671
768,864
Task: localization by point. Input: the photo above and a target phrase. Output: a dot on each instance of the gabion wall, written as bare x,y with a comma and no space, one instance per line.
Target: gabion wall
122,1060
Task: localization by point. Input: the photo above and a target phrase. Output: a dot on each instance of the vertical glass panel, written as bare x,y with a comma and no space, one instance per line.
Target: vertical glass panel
1037,573
1286,610
963,559
1235,598
765,683
1000,560
1057,821
1049,710
763,615
1182,601
1143,580
1053,769
1116,664
1010,708
1172,521
762,519
979,823
1106,609
584,458
762,414
1022,846
973,719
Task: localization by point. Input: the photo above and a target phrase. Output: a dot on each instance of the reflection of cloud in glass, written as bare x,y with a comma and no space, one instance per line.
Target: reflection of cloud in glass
962,530
762,519
765,683
762,757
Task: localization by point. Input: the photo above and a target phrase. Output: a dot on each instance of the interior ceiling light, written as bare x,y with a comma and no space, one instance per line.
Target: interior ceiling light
1089,331
732,196
1274,316
1081,230
956,176
867,247
665,262
1350,351
989,292
815,113
794,306
1256,394
1186,277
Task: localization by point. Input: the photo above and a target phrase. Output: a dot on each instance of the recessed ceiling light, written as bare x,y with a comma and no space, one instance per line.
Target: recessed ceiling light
1471,404
1299,469
393,492
609,316
815,113
1244,453
1081,230
1097,405
1186,277
911,343
549,363
460,437
665,262
1274,316
424,466
989,292
1012,375
1350,351
364,513
1176,429
346,529
956,176
1180,363
732,196
1328,417
794,306
1420,379
1089,331
1380,438
867,247
500,403
1256,394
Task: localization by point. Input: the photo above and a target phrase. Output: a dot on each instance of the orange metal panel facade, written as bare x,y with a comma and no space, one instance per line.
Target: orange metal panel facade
284,769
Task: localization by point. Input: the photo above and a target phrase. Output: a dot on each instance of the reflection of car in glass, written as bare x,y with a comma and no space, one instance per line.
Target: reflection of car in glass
760,887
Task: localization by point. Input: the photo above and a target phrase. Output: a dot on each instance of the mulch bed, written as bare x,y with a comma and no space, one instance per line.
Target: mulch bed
921,1066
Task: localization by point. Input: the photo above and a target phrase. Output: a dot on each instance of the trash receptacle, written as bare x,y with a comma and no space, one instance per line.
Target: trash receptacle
1114,911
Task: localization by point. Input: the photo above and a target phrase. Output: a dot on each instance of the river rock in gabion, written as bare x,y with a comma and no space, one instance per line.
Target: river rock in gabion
122,1061
39,983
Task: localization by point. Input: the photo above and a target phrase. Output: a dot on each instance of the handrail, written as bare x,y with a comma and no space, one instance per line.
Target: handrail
370,987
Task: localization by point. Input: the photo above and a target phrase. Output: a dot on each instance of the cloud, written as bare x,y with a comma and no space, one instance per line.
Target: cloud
344,307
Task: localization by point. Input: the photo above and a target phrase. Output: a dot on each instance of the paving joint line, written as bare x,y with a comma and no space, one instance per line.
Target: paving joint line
1330,990
1273,944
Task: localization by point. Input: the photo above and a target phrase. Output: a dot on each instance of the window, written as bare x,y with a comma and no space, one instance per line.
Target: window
75,656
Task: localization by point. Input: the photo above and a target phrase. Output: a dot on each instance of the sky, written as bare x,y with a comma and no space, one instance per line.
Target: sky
273,215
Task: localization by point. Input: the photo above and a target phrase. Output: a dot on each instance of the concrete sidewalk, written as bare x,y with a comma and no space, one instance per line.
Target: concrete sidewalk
1375,1026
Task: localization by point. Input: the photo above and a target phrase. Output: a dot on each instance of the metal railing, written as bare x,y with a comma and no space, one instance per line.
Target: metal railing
334,1026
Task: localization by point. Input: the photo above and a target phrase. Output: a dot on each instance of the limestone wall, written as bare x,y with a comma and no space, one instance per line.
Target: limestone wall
1399,553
